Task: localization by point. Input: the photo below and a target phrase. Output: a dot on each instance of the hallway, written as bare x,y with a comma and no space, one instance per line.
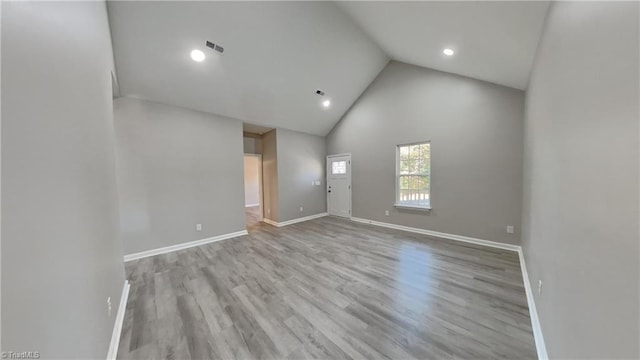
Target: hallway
253,218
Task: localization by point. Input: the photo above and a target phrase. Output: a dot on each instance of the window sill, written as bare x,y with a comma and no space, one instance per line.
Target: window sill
412,207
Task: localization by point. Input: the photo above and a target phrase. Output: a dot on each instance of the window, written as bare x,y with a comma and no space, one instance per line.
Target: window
338,167
413,175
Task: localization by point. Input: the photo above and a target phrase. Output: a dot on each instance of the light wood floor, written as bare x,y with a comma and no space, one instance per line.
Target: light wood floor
252,218
328,288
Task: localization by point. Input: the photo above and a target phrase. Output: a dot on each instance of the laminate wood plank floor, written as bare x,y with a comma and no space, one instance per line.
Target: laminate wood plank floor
252,218
328,289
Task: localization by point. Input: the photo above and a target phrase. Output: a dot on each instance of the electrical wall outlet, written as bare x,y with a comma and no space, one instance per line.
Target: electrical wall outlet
109,306
510,229
198,227
301,209
386,212
539,287
269,211
317,182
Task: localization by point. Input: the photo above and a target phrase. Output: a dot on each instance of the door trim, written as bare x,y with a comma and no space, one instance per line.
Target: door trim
327,181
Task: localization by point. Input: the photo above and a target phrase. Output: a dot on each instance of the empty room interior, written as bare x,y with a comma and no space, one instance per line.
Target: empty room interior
320,180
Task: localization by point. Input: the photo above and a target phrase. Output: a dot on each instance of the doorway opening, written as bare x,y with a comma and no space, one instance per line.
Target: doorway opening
253,189
253,174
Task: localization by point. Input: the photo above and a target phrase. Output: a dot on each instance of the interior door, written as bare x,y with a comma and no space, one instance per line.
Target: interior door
339,185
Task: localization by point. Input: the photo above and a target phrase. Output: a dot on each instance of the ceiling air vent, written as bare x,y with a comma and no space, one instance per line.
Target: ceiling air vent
215,47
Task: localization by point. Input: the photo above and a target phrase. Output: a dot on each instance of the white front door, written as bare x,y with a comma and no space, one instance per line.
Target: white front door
339,185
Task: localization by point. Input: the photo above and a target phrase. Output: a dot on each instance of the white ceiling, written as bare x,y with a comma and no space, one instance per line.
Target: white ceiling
494,41
278,53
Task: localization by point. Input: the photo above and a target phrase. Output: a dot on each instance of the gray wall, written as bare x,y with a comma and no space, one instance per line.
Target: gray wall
476,133
176,168
301,160
580,233
60,255
270,175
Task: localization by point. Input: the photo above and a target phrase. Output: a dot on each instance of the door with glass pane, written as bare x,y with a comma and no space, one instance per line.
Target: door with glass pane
339,185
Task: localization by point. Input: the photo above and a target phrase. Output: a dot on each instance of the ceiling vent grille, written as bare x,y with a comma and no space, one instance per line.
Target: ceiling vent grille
215,47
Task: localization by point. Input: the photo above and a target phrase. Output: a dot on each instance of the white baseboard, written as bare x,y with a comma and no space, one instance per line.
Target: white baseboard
466,239
533,314
251,205
182,246
541,349
117,327
293,221
270,222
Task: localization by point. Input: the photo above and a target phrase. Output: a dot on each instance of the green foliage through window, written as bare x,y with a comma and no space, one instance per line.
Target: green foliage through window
414,171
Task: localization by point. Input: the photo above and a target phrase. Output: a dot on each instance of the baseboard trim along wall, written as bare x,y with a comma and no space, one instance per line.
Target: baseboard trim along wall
117,327
293,221
270,222
541,348
251,205
182,246
533,314
466,239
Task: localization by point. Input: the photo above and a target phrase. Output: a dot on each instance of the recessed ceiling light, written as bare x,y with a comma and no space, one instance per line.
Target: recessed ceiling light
448,52
197,55
326,103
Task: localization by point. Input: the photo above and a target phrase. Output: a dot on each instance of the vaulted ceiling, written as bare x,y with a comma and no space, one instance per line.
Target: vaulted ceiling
277,54
493,41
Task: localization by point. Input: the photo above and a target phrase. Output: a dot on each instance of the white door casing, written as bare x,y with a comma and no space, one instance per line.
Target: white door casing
339,185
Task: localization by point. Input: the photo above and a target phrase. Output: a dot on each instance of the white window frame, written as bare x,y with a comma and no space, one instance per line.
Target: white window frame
397,203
